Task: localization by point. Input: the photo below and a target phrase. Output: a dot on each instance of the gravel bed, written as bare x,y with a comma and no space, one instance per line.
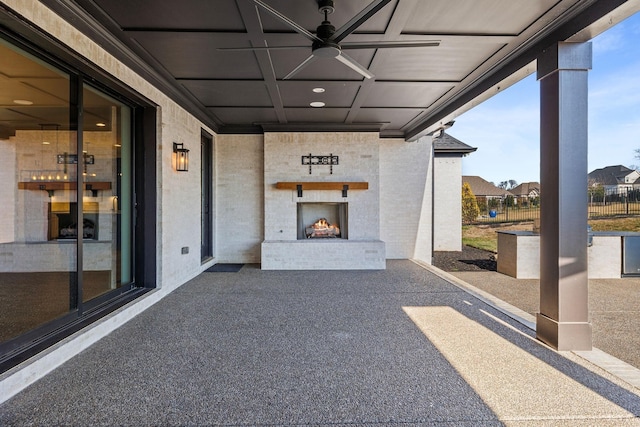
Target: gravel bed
469,259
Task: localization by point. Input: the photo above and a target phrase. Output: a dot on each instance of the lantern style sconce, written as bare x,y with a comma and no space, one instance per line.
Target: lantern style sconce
181,155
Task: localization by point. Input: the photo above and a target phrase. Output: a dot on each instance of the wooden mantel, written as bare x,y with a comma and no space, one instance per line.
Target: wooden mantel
322,185
62,185
51,186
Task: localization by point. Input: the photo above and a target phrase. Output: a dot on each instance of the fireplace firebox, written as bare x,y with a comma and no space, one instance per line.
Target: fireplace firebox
322,220
62,221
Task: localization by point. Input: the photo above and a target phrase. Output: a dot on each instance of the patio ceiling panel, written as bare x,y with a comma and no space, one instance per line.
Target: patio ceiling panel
244,115
229,93
219,15
317,115
449,61
393,118
405,94
300,93
191,55
479,17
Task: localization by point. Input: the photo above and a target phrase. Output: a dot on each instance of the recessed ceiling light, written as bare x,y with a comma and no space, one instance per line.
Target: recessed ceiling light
317,104
45,143
101,125
22,102
318,90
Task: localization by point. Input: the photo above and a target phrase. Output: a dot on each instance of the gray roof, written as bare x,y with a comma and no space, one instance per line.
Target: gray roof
446,143
610,175
481,187
524,189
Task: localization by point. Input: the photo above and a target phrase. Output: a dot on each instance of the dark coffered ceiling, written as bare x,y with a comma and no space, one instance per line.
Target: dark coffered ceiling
177,44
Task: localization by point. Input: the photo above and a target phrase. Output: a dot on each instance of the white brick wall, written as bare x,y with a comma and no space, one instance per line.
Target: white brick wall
447,208
405,198
239,197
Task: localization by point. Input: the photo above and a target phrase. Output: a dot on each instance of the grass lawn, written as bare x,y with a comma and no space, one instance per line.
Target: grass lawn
485,236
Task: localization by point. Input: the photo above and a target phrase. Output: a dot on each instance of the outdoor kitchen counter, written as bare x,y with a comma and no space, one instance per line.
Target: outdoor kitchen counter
519,253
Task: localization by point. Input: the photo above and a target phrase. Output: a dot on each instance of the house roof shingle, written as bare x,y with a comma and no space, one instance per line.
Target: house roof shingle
524,189
610,175
481,187
450,145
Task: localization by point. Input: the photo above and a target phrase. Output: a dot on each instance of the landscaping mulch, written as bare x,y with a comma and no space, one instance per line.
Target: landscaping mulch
469,259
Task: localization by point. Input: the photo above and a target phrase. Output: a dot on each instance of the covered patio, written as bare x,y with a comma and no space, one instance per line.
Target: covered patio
281,106
393,347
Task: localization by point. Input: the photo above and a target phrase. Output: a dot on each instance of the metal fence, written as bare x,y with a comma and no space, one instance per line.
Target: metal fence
600,205
623,202
507,210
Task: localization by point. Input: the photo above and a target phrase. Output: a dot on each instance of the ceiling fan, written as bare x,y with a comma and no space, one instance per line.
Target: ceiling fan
326,41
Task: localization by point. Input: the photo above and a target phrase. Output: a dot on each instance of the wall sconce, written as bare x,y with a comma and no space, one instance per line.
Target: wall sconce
182,157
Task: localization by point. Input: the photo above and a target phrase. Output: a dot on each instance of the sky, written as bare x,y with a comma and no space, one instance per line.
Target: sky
505,128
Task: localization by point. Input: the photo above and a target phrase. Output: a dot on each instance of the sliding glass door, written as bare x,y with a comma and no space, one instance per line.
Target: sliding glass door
66,217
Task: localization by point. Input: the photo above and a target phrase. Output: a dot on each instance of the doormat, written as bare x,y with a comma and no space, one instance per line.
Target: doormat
225,268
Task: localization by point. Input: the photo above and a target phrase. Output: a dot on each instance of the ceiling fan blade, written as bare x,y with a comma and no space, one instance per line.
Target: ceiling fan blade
240,49
288,21
359,19
351,63
389,44
300,67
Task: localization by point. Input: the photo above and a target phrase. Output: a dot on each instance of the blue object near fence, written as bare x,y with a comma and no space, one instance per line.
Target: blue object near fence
493,213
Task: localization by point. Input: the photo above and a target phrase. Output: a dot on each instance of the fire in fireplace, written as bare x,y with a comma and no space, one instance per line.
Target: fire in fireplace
322,220
322,229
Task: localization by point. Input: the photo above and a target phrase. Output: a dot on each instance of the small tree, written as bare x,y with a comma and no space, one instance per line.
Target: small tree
509,201
470,210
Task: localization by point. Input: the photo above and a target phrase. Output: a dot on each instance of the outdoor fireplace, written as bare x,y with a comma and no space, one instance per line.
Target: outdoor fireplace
322,221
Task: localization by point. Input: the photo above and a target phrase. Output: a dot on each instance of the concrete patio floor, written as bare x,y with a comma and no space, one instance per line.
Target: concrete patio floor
614,307
403,346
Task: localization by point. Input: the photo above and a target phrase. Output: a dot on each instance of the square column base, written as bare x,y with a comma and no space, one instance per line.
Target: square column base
563,336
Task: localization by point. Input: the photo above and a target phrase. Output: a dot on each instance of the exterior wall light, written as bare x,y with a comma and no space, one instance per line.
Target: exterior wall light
181,155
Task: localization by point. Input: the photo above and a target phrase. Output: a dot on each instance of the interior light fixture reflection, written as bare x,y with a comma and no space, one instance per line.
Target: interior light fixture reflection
317,104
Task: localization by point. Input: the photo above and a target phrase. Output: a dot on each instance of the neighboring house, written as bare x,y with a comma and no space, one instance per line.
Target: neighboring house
615,179
447,192
484,190
526,192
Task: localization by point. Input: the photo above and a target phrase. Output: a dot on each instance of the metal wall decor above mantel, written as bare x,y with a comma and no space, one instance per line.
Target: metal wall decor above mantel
312,160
